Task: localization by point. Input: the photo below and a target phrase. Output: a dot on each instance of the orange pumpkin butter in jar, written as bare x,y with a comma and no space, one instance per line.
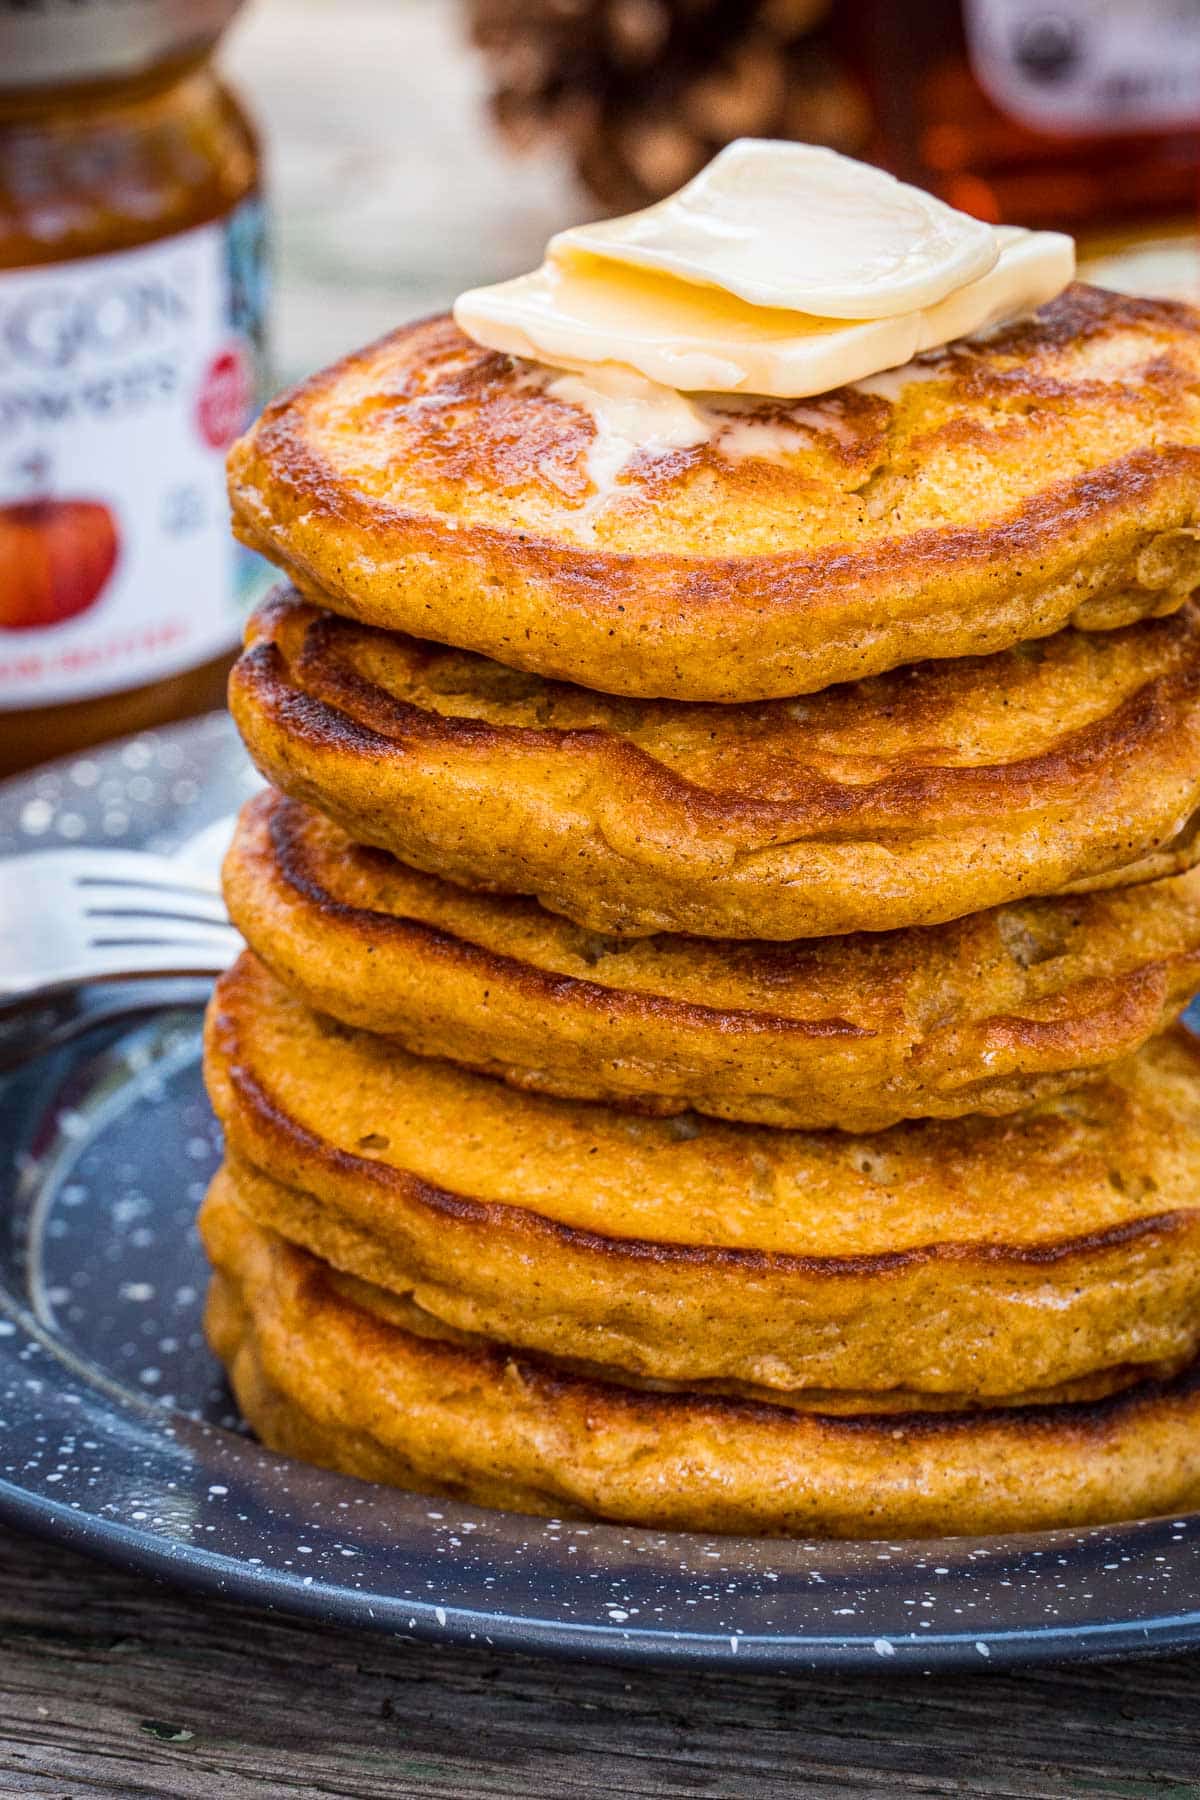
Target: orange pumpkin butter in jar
132,283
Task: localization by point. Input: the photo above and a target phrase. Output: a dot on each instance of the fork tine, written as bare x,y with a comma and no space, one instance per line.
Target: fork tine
149,883
168,932
91,864
188,960
130,903
97,872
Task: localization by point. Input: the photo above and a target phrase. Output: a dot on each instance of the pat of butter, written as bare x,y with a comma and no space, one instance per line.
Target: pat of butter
782,269
796,226
586,311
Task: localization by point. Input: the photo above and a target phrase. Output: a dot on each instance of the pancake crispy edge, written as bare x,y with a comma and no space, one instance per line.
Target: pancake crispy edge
1048,475
984,1015
323,1379
403,1310
918,797
695,1250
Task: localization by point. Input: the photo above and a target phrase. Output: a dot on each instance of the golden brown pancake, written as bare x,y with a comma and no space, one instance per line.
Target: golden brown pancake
972,1256
982,1015
323,1376
1046,476
913,798
235,1183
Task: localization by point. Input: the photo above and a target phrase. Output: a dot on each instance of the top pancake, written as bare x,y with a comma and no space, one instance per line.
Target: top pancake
993,492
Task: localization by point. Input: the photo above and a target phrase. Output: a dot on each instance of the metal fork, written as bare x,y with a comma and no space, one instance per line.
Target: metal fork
77,916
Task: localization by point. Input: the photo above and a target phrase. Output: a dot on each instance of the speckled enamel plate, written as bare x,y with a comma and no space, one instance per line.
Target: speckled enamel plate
117,1432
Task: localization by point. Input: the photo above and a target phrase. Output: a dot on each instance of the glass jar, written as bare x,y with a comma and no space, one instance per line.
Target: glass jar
1077,116
131,355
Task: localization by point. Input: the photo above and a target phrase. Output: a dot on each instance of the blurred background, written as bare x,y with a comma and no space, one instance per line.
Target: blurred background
416,147
201,201
390,187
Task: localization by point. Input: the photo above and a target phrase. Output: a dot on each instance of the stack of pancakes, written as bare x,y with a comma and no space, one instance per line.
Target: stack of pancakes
706,1054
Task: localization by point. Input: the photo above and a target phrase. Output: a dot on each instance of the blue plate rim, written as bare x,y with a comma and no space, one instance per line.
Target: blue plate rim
228,1579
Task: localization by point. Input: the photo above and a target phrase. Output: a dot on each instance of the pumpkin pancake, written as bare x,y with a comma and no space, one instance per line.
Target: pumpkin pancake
982,1015
235,1183
992,492
909,799
323,1374
972,1256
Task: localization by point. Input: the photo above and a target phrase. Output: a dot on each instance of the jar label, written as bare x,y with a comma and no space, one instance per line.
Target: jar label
1089,65
123,381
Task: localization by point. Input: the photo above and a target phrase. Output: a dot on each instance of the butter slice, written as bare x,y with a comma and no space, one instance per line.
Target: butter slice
797,226
580,310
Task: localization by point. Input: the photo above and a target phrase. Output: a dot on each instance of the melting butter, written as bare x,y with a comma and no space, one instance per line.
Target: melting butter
588,312
580,314
782,270
789,225
633,417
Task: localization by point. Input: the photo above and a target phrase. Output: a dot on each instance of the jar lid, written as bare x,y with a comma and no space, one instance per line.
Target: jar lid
45,43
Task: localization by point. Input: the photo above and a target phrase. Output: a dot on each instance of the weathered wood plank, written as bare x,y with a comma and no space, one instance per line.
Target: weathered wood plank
113,1686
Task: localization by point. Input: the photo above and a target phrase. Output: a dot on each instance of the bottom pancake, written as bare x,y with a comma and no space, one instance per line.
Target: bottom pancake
323,1375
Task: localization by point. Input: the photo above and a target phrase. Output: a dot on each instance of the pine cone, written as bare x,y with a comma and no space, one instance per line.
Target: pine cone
644,92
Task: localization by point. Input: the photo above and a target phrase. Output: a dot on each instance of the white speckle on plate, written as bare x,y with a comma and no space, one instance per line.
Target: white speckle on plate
36,817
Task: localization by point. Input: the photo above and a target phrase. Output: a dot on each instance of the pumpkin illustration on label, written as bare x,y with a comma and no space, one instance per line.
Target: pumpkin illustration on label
56,558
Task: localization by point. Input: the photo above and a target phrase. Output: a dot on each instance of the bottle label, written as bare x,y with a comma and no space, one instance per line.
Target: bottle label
123,381
1089,65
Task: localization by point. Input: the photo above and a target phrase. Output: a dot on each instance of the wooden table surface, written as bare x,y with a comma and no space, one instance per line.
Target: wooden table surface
111,1685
